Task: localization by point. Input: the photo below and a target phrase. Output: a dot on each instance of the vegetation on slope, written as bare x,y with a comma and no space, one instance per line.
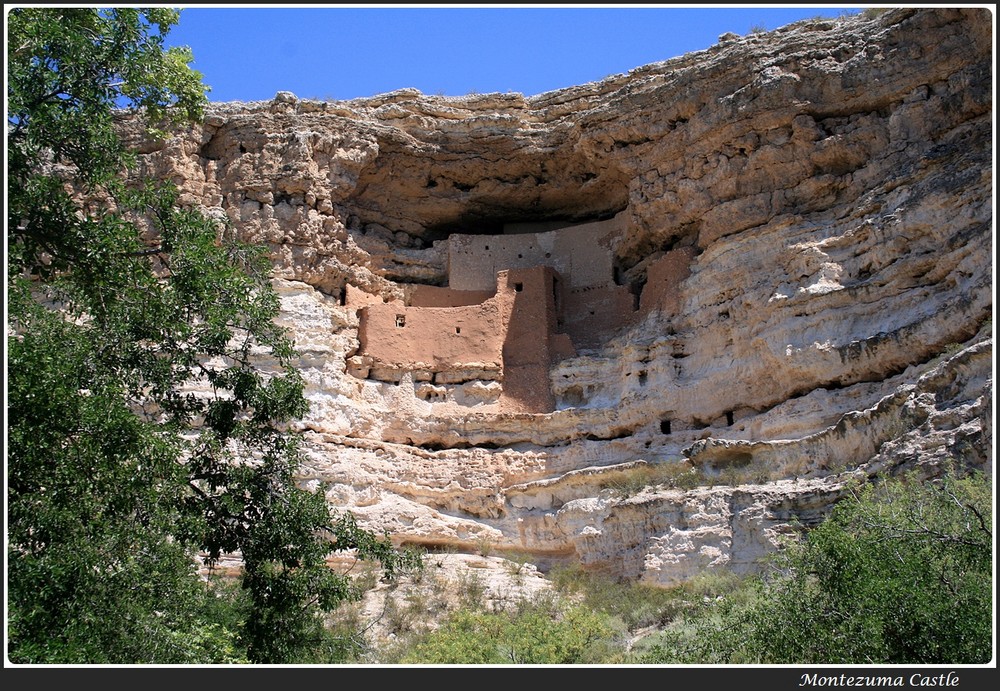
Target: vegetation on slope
900,573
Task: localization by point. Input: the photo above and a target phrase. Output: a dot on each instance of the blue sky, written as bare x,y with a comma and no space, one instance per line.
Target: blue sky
340,52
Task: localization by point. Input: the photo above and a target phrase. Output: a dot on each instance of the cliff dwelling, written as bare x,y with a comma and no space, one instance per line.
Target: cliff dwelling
514,304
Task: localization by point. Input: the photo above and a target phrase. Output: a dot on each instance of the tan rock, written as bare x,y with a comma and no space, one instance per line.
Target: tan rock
767,264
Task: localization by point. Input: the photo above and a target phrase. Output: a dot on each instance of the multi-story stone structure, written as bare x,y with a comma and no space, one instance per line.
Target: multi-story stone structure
515,304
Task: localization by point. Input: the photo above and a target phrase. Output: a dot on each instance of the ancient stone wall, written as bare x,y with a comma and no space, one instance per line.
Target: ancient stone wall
434,338
591,315
580,253
434,296
531,344
564,298
509,337
662,289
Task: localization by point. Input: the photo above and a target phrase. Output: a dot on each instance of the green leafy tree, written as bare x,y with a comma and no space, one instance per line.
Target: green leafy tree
141,428
900,573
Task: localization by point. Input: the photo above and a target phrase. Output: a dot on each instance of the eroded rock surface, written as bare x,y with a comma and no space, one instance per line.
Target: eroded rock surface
643,323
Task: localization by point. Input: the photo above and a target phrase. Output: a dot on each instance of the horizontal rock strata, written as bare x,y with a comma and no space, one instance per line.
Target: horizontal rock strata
793,232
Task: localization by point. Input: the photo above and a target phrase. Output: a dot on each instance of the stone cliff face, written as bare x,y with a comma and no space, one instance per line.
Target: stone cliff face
645,323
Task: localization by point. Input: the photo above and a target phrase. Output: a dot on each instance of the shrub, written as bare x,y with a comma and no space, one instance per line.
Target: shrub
528,635
635,605
901,573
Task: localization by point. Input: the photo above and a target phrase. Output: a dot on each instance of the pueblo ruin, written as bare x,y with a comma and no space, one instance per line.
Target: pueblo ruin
514,305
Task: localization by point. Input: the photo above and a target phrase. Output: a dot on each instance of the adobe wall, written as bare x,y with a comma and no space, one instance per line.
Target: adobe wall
663,279
517,324
511,335
590,315
534,227
434,338
581,254
436,296
355,297
532,344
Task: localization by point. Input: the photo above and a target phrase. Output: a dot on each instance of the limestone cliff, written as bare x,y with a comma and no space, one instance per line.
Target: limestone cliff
643,323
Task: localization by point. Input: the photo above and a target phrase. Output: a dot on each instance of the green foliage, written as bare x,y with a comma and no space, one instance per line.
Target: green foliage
901,573
121,306
533,634
634,605
471,590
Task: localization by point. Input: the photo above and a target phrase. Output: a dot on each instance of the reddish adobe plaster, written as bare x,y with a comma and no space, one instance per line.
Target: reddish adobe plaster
515,324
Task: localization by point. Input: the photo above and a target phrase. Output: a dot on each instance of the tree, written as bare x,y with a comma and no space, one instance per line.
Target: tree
900,573
142,429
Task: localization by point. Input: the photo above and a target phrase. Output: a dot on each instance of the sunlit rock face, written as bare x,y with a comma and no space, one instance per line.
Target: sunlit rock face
645,324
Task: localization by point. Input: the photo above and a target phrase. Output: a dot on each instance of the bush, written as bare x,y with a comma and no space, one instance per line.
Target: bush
901,573
635,605
529,635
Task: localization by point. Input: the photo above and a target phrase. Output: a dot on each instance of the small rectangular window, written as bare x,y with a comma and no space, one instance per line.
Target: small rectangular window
518,287
400,320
